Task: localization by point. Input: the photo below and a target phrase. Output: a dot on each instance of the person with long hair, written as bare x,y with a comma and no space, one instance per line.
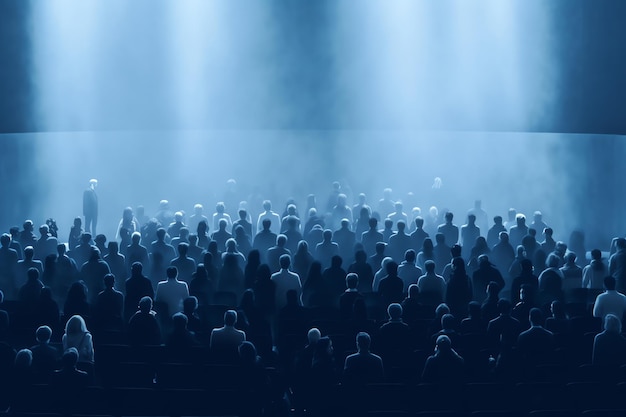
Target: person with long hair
459,292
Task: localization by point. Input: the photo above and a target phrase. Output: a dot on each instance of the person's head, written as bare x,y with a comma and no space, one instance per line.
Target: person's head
504,237
281,241
247,352
570,258
535,316
136,269
29,252
552,261
267,223
220,207
526,266
44,230
190,304
557,309
394,311
612,324
497,220
360,256
414,291
23,359
231,245
75,325
440,238
197,209
373,223
443,343
313,335
449,217
77,291
70,358
483,261
419,222
441,310
28,226
267,205
388,224
352,281
448,322
609,283
179,320
203,227
520,251
493,290
520,219
43,334
392,268
380,248
363,342
345,224
5,240
341,200
532,232
32,274
504,306
171,272
336,261
620,243
427,245
401,225
284,261
410,256
548,232
135,238
429,266
458,265
127,214
222,224
596,254
109,281
456,250
471,219
145,304
230,318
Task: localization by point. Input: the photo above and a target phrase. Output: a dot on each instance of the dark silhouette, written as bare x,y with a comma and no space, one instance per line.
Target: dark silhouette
90,207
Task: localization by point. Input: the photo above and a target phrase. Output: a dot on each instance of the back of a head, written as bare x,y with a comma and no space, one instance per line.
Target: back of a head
171,272
497,220
596,254
448,321
336,261
5,240
327,235
363,341
43,334
609,283
75,325
136,268
267,205
222,224
504,306
285,261
243,213
442,309
409,256
552,261
180,321
145,304
380,247
401,225
360,256
388,223
70,358
373,222
449,216
29,252
33,274
443,343
504,237
281,241
313,335
440,238
535,316
160,233
429,266
136,238
394,310
247,352
493,289
23,359
352,280
456,250
230,318
612,324
621,243
391,268
267,223
109,281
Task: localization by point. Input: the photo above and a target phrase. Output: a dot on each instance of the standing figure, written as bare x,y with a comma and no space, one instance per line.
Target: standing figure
90,207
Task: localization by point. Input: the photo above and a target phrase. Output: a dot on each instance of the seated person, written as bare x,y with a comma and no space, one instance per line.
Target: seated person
394,336
609,347
180,339
226,340
445,365
346,300
143,327
69,376
363,367
45,357
536,345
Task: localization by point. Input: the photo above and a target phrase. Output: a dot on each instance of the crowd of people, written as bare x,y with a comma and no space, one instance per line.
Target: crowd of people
321,296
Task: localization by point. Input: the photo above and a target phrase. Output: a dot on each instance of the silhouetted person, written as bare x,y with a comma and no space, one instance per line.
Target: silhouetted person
334,276
8,266
313,219
136,287
363,367
285,280
536,345
180,338
548,244
265,290
69,377
219,215
165,250
270,215
445,365
90,207
76,301
349,296
572,273
244,223
221,235
276,252
325,250
181,237
441,253
127,222
408,272
76,232
448,229
594,273
4,320
399,243
459,291
551,280
426,253
45,357
610,301
231,278
485,274
609,347
184,264
136,252
517,232
432,284
315,291
197,217
143,326
345,239
264,239
387,230
225,340
371,237
107,310
617,265
391,287
93,272
27,263
503,254
164,215
386,205
523,307
489,306
292,233
530,243
302,259
46,244
77,336
504,329
479,248
117,263
361,224
398,215
493,235
363,270
526,277
172,292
